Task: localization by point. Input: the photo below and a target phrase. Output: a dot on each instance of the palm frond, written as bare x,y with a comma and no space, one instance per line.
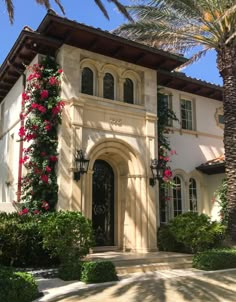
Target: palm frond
122,9
10,9
102,8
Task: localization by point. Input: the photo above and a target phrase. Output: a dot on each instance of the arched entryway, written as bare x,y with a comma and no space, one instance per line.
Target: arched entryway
103,203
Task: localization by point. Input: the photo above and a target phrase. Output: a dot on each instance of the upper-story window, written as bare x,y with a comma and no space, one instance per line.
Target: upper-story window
219,116
108,86
177,196
193,195
186,114
87,81
128,91
165,100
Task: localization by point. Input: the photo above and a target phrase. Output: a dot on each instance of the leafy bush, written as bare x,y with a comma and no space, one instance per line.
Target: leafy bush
67,234
17,286
215,259
193,232
21,242
97,272
221,199
166,241
70,270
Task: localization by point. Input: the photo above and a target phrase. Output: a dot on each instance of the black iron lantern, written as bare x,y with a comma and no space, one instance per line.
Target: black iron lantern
157,172
81,164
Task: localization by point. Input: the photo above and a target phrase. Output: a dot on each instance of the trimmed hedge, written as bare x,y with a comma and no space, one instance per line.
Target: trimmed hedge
70,270
17,286
191,232
98,272
215,259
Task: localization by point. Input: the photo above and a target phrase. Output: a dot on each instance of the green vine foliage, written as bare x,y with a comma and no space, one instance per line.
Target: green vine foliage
165,118
41,116
221,199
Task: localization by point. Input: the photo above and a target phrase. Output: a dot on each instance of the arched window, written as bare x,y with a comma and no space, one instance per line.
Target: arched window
108,86
193,195
87,81
128,91
177,196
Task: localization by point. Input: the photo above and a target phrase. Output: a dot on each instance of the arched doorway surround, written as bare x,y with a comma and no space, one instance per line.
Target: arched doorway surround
134,208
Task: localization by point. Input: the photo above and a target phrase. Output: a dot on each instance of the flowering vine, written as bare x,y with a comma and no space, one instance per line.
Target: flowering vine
42,107
165,116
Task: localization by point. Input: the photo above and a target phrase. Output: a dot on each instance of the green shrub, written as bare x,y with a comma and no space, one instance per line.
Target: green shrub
68,235
166,241
215,259
98,271
71,270
17,286
191,232
21,242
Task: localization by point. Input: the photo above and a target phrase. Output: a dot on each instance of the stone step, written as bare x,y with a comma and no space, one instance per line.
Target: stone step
102,249
170,259
151,267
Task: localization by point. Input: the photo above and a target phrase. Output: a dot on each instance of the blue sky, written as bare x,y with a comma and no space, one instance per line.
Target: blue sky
27,12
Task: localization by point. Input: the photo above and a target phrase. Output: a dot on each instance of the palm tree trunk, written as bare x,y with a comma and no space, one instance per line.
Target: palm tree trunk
226,61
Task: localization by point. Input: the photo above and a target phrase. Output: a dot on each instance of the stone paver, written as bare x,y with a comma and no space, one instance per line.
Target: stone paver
162,286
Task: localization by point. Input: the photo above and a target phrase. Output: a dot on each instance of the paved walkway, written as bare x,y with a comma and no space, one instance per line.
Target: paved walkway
162,286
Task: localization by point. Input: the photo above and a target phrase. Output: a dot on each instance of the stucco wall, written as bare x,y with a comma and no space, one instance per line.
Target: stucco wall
195,147
10,145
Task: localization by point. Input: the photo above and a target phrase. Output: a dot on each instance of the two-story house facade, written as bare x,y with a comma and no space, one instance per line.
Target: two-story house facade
109,87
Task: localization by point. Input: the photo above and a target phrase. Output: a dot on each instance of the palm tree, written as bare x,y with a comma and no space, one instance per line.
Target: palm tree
47,3
198,25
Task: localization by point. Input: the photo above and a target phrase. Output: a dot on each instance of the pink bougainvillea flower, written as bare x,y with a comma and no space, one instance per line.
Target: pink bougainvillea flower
42,109
53,81
167,173
44,94
53,158
34,105
60,71
23,212
25,96
48,169
45,205
43,153
30,136
173,152
24,159
21,132
36,212
32,76
57,109
47,126
44,178
166,158
34,127
22,116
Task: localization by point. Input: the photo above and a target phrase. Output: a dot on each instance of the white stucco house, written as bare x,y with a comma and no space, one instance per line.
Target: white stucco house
109,87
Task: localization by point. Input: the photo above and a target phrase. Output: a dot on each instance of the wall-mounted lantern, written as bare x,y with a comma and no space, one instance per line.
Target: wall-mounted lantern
157,172
81,164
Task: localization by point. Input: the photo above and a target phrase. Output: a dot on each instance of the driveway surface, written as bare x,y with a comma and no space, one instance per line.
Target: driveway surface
162,286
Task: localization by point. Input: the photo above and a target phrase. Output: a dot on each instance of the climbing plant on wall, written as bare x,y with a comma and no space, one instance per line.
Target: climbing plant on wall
42,107
165,118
